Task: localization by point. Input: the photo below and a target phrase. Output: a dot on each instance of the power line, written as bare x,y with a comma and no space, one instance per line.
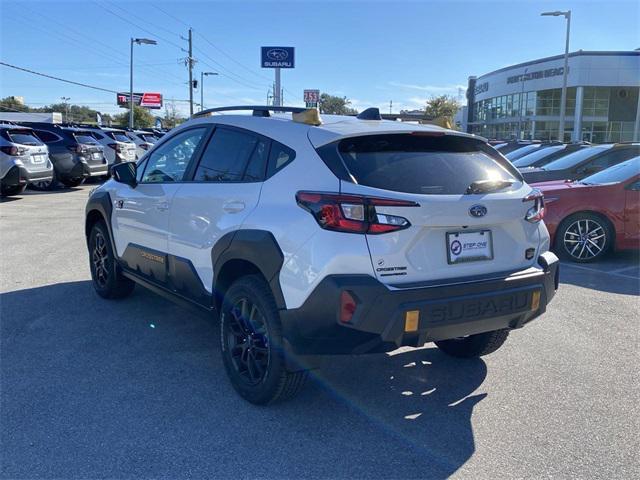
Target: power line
58,78
83,44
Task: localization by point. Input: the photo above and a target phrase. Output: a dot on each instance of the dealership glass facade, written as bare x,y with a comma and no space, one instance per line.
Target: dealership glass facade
535,115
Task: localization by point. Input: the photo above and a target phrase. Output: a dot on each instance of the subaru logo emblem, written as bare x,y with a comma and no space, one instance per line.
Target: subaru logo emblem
277,54
478,211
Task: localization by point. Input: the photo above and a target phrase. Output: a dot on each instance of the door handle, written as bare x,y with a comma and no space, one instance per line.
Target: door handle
233,206
162,206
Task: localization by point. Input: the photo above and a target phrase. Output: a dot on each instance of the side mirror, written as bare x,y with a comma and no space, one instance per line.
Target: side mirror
125,173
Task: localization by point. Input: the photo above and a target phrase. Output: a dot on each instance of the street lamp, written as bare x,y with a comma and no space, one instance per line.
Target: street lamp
66,107
139,41
202,75
563,97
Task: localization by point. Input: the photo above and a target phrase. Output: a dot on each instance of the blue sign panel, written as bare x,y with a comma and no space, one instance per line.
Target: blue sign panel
277,57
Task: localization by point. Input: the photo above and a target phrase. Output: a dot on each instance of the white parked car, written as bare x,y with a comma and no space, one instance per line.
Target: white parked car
144,141
350,236
119,147
24,159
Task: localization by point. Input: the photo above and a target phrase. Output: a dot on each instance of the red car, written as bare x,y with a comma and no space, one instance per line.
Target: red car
588,217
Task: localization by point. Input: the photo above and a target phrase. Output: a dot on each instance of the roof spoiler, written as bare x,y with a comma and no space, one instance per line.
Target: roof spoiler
372,113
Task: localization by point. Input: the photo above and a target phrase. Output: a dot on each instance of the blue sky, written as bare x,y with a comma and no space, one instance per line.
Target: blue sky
371,52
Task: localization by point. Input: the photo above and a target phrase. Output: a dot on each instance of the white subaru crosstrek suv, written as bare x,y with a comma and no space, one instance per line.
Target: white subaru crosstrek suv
308,237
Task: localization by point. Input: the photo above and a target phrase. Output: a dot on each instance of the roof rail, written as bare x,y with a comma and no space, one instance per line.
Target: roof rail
258,110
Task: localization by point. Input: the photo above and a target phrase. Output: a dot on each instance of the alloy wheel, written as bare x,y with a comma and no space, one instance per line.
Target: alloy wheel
585,239
248,341
100,259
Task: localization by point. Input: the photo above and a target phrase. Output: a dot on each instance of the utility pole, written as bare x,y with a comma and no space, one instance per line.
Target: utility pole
190,60
390,107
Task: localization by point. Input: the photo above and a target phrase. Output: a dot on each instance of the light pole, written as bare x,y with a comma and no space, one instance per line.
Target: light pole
139,41
66,108
563,97
202,75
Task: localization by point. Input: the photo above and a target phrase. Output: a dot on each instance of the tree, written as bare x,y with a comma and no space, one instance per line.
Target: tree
171,116
141,118
443,106
336,105
11,104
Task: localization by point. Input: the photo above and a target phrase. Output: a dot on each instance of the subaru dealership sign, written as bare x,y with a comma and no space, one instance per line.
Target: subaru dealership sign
278,57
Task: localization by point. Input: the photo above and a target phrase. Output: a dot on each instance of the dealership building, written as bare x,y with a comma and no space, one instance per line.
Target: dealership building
523,101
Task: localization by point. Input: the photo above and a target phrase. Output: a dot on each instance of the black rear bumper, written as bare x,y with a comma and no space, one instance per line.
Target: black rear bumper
458,308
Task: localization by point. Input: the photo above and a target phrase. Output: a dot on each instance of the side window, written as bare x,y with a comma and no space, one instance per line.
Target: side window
47,137
279,157
635,186
613,158
169,161
140,170
257,167
226,156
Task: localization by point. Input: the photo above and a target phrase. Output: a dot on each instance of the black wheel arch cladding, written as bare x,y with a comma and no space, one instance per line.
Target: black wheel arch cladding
258,247
98,204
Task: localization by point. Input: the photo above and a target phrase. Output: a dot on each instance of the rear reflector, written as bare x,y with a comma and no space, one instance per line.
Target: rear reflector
411,320
347,306
535,300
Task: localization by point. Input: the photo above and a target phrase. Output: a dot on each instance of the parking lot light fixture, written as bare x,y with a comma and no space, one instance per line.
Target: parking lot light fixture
563,97
139,41
202,75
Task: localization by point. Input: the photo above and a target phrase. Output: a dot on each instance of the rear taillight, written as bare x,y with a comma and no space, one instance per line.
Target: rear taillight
14,151
146,146
116,146
535,213
353,213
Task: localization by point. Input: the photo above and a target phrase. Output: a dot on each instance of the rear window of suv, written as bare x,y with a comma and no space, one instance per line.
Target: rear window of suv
119,137
23,137
85,138
423,164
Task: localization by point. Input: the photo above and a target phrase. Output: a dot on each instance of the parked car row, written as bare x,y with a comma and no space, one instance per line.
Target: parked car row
46,155
592,193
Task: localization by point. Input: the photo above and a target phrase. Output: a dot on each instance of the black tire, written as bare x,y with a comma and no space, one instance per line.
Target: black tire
47,185
251,344
72,182
474,346
10,191
583,237
107,279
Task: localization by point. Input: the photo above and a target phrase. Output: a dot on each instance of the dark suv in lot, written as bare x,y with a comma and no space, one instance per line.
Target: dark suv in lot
74,152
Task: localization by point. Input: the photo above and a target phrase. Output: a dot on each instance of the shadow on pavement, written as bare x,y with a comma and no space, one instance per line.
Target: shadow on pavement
618,272
136,387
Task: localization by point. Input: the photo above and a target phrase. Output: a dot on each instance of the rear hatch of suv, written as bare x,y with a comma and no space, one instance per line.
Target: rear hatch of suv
31,151
124,147
89,148
453,207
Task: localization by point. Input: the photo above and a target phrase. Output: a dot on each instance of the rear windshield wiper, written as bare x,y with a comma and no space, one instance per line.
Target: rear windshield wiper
485,186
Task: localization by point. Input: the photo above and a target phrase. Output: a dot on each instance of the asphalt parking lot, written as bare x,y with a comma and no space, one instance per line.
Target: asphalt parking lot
136,388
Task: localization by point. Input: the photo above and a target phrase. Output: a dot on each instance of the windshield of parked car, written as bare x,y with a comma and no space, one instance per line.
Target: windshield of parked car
617,173
414,163
23,137
521,152
575,158
534,157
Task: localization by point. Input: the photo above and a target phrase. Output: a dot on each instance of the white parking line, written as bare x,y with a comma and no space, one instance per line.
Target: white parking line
624,269
595,270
